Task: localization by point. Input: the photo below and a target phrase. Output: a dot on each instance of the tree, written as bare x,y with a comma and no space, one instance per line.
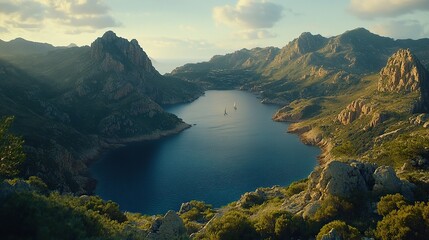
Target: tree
11,150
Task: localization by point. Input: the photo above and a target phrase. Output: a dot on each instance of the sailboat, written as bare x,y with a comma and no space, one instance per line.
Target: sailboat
225,113
235,106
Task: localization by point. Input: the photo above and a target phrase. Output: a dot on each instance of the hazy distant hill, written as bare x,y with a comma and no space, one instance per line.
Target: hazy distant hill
20,46
69,102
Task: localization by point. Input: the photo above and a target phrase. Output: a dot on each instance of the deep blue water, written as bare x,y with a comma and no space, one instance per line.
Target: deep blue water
216,161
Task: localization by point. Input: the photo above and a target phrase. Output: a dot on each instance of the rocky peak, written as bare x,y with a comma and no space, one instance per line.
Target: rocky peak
308,42
353,111
305,43
404,74
116,53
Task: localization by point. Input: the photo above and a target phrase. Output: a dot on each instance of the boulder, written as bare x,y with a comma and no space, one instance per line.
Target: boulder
169,227
344,180
386,180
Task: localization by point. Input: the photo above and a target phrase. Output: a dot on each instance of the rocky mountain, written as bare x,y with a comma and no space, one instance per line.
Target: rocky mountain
71,102
403,74
309,66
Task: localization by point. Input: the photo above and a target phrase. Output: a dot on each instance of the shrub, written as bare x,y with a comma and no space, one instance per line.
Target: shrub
333,208
408,222
280,225
345,231
389,203
231,226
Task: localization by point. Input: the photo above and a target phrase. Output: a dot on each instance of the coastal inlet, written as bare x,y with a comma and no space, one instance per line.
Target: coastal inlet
228,151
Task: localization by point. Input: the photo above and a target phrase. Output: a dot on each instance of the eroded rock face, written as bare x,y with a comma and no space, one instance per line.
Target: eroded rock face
343,179
353,111
170,227
114,51
346,180
404,74
378,118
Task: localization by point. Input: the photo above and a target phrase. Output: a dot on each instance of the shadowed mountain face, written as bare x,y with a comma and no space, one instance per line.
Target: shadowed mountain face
69,102
309,66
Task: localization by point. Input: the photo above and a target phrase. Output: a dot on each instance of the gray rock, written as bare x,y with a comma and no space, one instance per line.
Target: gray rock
342,180
170,227
386,180
250,199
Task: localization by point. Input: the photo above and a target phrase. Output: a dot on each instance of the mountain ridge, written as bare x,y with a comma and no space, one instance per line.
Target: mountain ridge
326,67
93,97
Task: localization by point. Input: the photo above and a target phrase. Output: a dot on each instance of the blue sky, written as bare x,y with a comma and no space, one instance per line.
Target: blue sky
198,29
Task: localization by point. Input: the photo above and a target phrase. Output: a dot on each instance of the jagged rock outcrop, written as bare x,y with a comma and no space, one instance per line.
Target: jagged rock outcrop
114,52
169,227
404,74
421,119
353,111
346,180
378,118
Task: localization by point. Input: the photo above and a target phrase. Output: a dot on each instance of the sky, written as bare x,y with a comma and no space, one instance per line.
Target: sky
199,29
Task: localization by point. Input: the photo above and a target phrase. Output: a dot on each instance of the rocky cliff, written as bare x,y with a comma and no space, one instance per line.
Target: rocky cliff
115,53
346,180
353,111
404,73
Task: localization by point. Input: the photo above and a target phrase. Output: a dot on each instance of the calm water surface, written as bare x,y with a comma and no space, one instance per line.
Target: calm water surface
216,161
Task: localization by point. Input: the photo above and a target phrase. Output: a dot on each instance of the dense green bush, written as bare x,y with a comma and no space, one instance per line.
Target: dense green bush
277,224
296,187
408,222
389,203
231,226
195,217
333,208
29,215
344,230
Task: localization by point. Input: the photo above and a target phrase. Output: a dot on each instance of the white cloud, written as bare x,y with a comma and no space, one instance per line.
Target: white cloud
249,15
386,8
256,34
72,16
401,29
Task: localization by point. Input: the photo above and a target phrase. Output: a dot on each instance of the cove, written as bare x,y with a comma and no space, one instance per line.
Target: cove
216,160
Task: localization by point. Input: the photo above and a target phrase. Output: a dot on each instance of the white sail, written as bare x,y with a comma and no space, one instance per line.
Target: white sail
235,106
225,113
